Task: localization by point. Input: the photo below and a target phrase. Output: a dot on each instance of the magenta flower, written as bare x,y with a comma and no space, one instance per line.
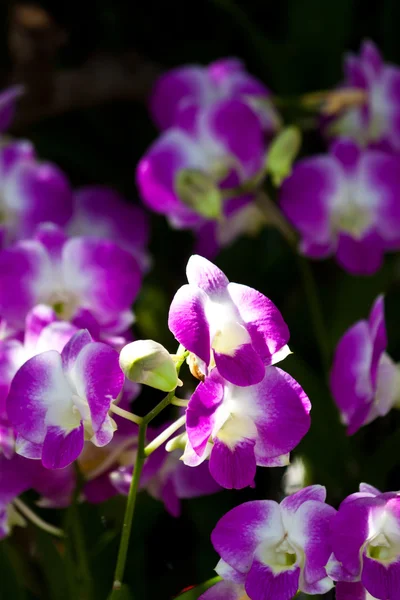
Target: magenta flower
225,590
56,401
71,275
345,203
377,121
227,324
101,212
366,548
31,192
183,92
8,99
16,476
364,379
238,428
276,549
226,144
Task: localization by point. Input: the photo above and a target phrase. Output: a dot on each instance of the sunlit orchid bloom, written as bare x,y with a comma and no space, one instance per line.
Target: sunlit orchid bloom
182,93
376,120
277,549
16,476
226,145
8,98
238,428
70,275
345,204
165,477
42,332
56,401
31,192
101,212
365,382
227,324
366,547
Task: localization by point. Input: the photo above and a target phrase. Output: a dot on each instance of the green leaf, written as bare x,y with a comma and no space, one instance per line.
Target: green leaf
194,593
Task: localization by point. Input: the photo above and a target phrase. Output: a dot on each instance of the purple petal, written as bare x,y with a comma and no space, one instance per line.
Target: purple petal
55,487
229,573
60,449
105,277
99,379
238,534
39,383
38,192
355,74
170,498
200,413
16,476
264,322
7,105
378,334
193,483
350,381
100,490
283,415
233,468
243,368
350,591
306,196
22,271
52,238
75,345
206,275
362,256
312,492
188,323
262,583
224,590
371,57
380,580
348,153
13,153
37,319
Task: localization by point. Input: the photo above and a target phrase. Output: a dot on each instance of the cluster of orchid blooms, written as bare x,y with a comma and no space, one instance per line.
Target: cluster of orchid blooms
71,266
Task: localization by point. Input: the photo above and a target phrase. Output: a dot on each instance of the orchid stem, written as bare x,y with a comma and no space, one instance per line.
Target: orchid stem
36,520
135,484
165,435
125,414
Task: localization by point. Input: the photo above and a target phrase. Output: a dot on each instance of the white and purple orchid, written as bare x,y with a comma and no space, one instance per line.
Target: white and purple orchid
364,380
57,400
366,546
71,275
345,204
238,428
181,94
275,550
376,121
227,324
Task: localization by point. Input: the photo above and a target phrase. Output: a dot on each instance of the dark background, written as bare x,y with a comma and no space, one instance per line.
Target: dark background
294,46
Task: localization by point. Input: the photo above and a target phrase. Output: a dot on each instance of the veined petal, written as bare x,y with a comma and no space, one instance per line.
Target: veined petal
257,521
243,367
269,332
265,584
206,275
188,323
233,467
75,345
41,397
61,447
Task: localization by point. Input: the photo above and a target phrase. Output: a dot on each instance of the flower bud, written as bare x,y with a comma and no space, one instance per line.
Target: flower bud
282,154
198,190
148,362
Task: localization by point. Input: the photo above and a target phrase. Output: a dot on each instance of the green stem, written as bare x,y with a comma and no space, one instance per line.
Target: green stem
135,483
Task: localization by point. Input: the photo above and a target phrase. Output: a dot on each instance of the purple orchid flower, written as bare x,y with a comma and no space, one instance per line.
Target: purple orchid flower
182,93
31,192
16,476
42,332
225,590
276,549
166,478
8,98
377,120
225,143
364,379
101,212
366,550
71,275
238,428
57,400
227,324
345,203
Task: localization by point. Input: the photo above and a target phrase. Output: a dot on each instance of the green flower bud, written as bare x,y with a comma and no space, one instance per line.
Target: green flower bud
282,153
148,362
199,191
